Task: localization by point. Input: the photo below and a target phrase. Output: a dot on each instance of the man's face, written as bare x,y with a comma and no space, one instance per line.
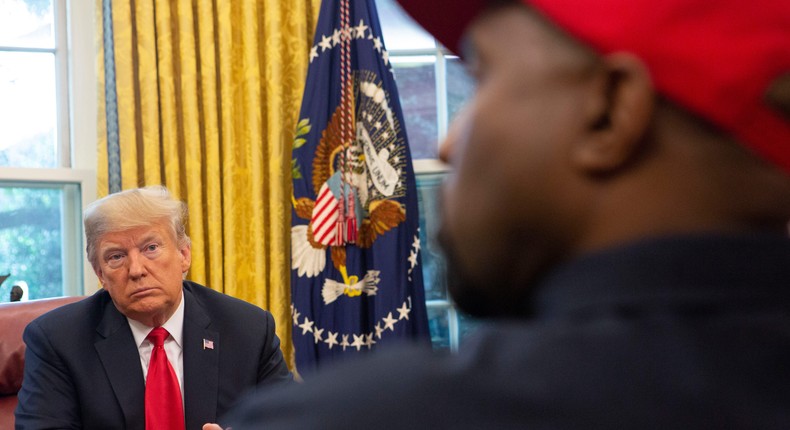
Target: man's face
507,211
142,269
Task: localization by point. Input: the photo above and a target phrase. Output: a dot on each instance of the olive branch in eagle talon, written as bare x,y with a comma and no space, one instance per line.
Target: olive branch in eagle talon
299,140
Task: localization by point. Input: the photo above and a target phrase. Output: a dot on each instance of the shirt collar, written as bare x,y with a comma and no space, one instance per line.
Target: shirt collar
174,326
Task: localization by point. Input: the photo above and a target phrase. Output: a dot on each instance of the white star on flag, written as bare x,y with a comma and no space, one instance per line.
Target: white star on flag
317,332
359,341
369,342
389,322
336,37
344,342
331,339
326,43
360,29
404,312
379,330
306,326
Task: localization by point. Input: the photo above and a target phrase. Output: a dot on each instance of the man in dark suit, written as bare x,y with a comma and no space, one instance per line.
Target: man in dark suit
87,364
620,202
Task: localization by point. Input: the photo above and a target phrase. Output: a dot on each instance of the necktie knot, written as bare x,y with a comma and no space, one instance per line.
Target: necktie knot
157,336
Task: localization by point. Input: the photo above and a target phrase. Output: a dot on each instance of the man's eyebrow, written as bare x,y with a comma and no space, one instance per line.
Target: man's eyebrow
110,247
151,237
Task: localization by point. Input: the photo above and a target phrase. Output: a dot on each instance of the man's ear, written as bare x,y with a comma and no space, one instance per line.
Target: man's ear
618,116
99,274
186,258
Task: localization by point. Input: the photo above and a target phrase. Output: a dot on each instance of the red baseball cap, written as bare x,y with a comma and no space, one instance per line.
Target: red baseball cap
717,58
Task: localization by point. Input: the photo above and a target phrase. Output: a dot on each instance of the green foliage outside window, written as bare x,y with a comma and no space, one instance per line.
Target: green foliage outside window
30,241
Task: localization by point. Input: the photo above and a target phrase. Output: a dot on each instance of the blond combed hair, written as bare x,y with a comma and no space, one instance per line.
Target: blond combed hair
134,208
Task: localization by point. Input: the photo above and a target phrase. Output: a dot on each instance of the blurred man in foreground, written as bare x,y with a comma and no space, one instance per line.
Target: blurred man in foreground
620,202
150,350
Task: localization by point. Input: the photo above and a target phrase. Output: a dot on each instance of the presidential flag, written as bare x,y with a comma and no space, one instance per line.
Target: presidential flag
356,278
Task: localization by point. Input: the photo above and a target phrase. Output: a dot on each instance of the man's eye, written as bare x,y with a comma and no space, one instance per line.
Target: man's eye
115,260
152,247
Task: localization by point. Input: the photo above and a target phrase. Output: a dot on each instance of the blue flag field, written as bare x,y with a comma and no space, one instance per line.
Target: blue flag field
356,276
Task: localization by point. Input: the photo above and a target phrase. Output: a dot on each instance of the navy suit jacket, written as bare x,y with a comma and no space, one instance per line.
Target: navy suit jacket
82,367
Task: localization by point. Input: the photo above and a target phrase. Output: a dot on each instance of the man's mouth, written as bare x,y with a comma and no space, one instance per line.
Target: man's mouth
143,291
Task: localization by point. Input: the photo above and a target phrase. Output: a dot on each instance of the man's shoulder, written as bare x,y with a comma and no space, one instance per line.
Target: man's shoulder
87,310
373,389
521,374
220,304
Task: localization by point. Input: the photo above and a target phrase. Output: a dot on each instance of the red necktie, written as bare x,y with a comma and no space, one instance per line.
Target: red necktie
163,407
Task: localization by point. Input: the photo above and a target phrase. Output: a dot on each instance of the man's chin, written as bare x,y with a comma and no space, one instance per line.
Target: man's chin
481,299
472,301
145,309
484,301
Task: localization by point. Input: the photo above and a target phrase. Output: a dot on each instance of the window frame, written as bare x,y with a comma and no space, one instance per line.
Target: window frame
76,100
423,166
76,267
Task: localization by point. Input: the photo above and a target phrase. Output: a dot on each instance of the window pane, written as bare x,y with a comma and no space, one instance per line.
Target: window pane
399,30
460,86
433,265
467,326
27,110
26,24
416,79
32,222
439,324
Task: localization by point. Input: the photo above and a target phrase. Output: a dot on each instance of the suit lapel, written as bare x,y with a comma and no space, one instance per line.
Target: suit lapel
201,364
121,361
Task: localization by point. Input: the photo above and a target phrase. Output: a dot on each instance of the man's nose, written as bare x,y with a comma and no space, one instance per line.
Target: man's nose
136,264
446,148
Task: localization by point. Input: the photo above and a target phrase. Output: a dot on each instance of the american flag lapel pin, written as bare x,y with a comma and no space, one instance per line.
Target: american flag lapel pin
208,344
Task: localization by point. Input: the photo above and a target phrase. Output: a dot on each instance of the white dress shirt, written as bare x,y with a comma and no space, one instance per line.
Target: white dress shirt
173,343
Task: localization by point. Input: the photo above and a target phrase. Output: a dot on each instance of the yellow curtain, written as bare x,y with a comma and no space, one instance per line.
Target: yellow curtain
208,94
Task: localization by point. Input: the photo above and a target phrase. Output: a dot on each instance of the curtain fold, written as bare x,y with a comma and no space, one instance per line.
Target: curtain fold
206,95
